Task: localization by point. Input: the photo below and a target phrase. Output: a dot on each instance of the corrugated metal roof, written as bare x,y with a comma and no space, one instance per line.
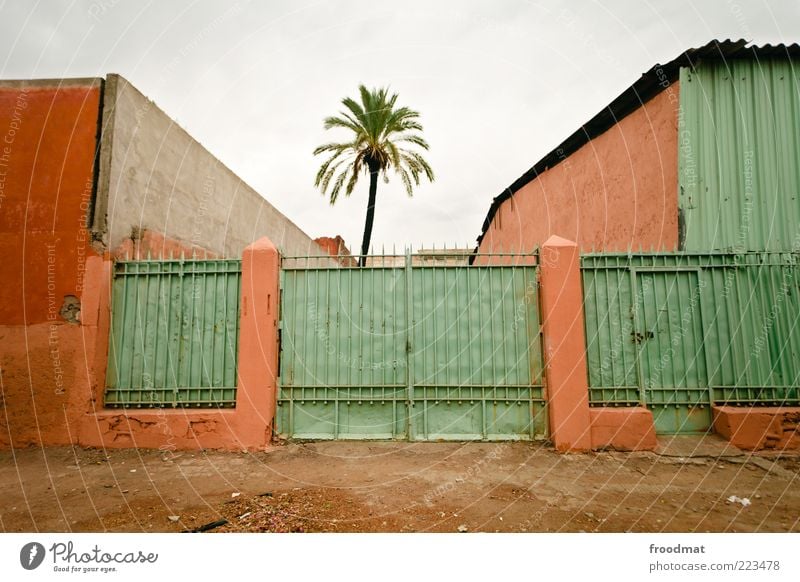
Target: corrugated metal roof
645,88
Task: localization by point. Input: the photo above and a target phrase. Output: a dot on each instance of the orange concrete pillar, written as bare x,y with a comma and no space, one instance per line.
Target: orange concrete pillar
564,344
258,343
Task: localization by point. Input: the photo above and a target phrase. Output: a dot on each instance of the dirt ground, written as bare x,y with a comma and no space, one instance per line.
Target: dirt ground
402,487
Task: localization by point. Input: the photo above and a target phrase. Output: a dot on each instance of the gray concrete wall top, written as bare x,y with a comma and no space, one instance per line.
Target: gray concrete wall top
153,175
51,83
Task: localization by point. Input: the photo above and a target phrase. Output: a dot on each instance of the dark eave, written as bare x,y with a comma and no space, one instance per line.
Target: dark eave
648,86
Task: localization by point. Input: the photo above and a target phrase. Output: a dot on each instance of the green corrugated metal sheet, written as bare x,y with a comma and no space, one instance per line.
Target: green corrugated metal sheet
678,331
425,353
174,333
738,152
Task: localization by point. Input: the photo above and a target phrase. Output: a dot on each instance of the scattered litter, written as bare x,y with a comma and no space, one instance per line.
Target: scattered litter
501,519
236,494
174,517
743,500
463,528
459,479
245,515
124,490
442,514
208,526
133,470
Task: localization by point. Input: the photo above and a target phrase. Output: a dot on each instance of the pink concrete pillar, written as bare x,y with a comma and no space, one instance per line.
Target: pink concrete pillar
258,343
565,346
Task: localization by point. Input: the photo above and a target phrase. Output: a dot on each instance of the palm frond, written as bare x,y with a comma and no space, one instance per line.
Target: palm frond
345,122
337,185
377,128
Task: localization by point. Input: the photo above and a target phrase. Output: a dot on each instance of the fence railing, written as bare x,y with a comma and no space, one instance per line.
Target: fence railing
174,333
690,329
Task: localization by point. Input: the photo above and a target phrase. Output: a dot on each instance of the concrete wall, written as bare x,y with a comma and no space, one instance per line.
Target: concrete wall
155,177
48,131
616,191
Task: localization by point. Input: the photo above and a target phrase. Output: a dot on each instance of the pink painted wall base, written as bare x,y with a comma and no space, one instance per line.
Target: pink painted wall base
759,428
623,429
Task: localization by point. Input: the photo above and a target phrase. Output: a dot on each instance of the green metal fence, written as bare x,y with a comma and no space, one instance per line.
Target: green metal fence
410,352
174,333
676,332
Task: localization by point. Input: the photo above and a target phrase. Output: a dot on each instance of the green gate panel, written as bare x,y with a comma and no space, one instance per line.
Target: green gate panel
174,333
669,336
343,371
679,331
476,358
608,315
421,353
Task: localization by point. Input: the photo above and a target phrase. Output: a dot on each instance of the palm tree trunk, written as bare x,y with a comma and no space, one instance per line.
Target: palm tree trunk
373,190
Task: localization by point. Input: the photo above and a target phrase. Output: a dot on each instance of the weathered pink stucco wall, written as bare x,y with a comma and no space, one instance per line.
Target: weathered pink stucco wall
616,191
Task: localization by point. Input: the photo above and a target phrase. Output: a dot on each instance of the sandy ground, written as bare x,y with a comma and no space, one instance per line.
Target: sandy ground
402,487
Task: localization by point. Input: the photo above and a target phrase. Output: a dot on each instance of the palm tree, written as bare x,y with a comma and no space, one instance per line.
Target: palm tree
378,130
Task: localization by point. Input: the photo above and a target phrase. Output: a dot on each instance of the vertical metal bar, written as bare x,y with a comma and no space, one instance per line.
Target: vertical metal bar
409,350
636,325
394,356
492,354
676,277
507,298
178,379
704,330
748,331
169,307
189,358
328,335
779,307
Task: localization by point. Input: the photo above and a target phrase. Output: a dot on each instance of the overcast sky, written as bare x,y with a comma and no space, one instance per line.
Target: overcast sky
498,83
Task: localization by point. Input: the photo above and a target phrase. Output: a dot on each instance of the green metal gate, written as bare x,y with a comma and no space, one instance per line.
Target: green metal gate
677,332
416,352
174,333
669,338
